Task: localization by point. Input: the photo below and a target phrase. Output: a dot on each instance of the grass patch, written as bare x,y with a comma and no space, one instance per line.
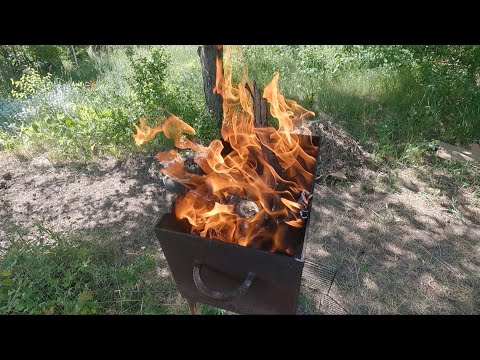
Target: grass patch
390,98
41,272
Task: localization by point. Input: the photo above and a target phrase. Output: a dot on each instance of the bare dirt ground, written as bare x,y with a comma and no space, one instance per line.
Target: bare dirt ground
404,241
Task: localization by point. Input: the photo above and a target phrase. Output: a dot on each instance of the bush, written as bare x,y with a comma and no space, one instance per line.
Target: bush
70,121
78,133
30,84
149,72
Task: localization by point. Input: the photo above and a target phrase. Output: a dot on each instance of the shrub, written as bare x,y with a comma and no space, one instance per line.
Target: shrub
30,84
149,72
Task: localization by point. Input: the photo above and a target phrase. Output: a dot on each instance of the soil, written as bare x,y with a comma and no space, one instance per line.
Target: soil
120,198
399,242
339,153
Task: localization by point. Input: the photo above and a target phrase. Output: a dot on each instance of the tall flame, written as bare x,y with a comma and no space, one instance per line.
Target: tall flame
236,168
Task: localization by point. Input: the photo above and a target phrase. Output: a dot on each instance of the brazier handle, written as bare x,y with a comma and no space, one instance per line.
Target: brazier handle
221,295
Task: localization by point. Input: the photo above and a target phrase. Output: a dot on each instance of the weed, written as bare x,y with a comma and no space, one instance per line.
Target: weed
48,274
367,186
363,268
453,209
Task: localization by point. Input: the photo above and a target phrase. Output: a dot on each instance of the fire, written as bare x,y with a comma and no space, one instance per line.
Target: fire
236,169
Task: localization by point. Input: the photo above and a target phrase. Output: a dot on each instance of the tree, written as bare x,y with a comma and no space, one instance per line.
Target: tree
208,60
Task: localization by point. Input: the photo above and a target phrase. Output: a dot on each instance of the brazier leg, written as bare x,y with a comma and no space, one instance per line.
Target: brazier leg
193,307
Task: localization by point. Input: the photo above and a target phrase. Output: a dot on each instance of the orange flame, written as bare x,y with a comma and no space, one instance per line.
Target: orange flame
144,132
218,89
236,169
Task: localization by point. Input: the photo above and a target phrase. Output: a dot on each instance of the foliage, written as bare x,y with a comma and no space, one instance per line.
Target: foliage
185,97
149,72
14,59
80,133
56,60
386,96
30,83
48,274
47,58
390,97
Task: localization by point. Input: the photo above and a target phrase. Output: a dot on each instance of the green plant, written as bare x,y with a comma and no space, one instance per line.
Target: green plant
210,310
48,274
454,210
149,72
363,268
182,93
79,134
367,186
30,83
47,58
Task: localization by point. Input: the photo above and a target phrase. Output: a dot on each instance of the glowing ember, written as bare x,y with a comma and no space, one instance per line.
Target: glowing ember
235,169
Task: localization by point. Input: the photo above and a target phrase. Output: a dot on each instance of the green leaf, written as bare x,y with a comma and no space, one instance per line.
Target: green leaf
106,113
5,273
69,122
8,282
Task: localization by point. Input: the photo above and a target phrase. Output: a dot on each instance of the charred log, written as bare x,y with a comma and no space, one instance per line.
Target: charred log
259,106
260,120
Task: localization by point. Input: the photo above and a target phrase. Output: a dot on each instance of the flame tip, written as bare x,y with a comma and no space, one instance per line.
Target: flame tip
223,178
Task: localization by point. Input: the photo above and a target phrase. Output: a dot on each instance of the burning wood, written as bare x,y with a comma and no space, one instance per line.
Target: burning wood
260,120
250,187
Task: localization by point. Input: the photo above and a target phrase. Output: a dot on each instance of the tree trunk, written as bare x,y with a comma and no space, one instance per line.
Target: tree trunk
208,55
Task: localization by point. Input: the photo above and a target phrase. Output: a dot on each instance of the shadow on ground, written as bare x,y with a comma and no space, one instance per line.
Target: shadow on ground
119,201
397,253
398,247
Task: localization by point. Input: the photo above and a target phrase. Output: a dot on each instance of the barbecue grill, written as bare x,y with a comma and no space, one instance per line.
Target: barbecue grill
244,280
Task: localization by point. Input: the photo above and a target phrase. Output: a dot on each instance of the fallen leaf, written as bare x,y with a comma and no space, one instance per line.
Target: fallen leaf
338,175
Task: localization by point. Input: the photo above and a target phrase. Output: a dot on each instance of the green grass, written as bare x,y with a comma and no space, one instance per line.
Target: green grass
393,99
42,272
390,106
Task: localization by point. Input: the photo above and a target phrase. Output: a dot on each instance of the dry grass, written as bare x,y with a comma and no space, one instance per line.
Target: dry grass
401,251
